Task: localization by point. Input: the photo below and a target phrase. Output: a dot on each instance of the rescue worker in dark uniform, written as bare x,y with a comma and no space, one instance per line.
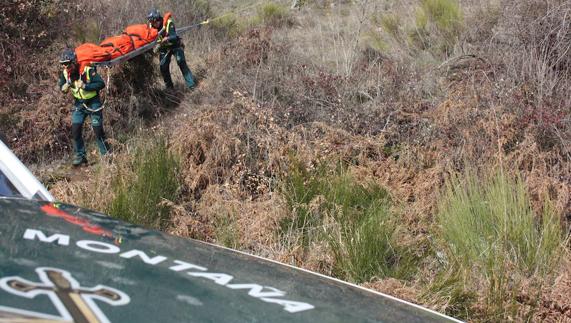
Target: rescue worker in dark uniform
84,86
169,44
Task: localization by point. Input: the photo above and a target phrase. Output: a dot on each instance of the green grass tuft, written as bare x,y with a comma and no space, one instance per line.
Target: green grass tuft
446,16
272,14
354,218
364,239
228,25
301,187
144,199
226,230
490,234
391,24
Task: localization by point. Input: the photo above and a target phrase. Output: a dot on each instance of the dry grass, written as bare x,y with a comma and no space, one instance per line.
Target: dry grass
399,115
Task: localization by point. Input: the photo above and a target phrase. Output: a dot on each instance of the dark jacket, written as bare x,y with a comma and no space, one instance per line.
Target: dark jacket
94,83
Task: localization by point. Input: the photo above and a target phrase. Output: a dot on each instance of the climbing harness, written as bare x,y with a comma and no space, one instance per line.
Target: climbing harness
108,69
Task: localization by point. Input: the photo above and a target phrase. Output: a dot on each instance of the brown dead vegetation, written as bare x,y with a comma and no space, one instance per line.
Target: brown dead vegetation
403,118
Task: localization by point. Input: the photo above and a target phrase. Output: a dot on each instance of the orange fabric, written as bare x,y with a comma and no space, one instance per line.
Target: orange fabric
141,34
133,37
88,53
118,45
166,18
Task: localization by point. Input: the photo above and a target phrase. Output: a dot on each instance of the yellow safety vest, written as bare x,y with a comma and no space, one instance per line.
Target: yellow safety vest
165,31
80,94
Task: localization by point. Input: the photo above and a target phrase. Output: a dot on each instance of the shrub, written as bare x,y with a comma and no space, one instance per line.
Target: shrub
272,14
491,236
445,14
144,199
227,26
438,25
87,32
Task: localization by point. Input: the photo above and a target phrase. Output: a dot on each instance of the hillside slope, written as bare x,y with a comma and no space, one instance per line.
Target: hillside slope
424,153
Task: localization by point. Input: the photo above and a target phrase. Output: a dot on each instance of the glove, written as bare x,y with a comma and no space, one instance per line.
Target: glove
79,84
65,87
205,22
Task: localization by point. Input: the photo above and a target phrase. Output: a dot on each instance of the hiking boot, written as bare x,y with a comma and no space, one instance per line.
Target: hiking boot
78,161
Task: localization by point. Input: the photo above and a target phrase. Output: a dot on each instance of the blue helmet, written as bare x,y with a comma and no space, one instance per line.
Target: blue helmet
68,56
154,15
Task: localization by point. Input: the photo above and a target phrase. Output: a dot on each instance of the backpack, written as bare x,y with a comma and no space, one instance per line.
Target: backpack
166,18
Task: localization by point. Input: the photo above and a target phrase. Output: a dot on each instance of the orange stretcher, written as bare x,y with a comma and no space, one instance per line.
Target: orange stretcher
134,40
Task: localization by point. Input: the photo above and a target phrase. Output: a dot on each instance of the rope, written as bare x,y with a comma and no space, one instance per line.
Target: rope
209,20
181,30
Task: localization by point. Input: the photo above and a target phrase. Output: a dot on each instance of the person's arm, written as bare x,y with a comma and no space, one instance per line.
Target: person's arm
171,33
96,83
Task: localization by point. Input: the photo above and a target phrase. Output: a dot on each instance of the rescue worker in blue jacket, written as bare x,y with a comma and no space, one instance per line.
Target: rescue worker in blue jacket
169,44
84,86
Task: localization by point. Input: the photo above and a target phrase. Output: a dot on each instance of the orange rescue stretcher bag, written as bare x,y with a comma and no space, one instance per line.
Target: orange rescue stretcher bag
90,53
118,45
141,34
133,37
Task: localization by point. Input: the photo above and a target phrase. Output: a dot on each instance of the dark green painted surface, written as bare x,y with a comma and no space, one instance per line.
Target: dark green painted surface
159,294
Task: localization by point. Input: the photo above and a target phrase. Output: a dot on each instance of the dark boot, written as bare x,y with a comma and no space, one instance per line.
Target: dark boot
79,160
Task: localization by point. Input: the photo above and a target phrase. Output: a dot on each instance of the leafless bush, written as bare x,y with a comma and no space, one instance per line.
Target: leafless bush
537,60
299,91
28,28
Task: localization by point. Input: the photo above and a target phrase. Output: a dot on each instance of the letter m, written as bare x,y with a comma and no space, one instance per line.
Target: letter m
61,239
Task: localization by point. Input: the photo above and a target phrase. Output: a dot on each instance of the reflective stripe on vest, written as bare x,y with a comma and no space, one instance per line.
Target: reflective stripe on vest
81,94
165,30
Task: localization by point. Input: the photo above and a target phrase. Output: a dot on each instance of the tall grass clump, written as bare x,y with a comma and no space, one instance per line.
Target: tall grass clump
438,25
226,229
391,24
302,186
363,233
272,14
144,199
352,218
227,26
495,243
445,14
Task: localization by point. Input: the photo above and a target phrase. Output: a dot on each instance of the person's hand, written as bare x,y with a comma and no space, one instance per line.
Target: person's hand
79,84
205,22
156,49
65,87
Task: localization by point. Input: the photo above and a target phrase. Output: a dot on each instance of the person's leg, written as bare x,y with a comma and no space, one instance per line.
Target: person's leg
97,124
77,119
165,62
181,61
